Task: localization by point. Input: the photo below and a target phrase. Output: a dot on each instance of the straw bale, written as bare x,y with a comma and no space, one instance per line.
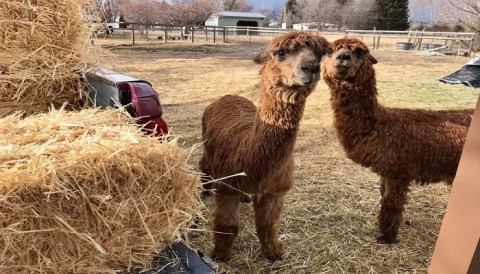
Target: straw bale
87,192
44,49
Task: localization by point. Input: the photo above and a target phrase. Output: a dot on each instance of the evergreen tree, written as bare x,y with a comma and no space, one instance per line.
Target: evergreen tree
392,15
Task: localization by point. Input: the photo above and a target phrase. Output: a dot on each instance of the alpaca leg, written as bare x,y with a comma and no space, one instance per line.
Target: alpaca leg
394,198
206,177
267,211
226,225
383,182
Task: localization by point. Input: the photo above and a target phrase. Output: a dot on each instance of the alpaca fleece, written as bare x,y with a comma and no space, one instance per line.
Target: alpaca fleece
401,145
240,137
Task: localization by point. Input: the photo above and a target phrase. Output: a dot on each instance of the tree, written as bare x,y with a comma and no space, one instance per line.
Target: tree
107,9
321,11
463,12
191,12
351,13
236,5
290,13
359,14
393,15
177,12
146,11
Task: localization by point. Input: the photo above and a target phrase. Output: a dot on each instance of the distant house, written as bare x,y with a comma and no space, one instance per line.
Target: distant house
304,26
274,24
324,27
234,18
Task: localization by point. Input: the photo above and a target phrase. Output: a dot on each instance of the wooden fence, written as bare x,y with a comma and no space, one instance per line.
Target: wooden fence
416,39
136,32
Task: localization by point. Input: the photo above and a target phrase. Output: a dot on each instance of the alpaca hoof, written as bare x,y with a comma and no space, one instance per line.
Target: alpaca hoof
273,256
382,239
220,256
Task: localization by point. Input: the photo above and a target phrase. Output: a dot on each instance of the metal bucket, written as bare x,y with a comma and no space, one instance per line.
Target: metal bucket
404,46
430,46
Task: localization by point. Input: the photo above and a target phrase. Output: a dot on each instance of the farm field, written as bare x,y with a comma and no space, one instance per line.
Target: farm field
329,217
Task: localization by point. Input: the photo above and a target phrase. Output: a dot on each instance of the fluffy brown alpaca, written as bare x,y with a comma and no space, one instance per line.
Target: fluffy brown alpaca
239,137
401,145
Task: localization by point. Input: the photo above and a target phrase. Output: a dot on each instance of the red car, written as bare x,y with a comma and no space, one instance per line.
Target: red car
112,89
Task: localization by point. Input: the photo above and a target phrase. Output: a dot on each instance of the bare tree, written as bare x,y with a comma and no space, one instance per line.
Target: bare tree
463,12
107,9
321,11
146,11
236,5
359,14
191,12
290,13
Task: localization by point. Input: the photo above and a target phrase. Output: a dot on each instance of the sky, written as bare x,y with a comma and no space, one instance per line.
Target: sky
275,5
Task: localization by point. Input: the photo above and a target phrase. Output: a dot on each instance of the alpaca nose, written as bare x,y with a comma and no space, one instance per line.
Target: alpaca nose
344,56
311,67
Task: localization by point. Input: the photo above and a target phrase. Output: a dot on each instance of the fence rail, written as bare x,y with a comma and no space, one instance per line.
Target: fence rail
137,31
417,38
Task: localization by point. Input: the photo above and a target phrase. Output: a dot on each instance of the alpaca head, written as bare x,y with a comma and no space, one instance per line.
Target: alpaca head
348,60
293,60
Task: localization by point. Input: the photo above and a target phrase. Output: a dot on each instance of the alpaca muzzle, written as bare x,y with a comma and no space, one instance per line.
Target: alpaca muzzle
309,73
343,60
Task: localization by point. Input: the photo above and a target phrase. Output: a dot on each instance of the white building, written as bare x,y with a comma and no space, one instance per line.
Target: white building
234,18
324,27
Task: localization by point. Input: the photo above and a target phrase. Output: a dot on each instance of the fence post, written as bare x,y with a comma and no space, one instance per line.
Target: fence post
471,47
214,34
224,34
166,34
193,36
133,34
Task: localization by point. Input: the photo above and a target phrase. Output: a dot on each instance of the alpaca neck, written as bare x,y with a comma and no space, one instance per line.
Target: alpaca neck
282,107
354,105
277,123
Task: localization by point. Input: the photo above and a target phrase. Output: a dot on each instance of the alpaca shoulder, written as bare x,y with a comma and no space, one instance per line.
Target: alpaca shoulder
230,111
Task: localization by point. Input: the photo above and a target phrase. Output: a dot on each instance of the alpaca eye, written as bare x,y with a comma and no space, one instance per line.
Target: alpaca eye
282,53
329,51
359,52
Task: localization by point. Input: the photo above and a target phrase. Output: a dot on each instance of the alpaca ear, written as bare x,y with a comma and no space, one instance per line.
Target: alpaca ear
262,58
371,59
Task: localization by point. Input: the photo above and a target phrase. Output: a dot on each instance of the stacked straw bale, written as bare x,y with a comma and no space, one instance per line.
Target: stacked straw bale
44,49
88,192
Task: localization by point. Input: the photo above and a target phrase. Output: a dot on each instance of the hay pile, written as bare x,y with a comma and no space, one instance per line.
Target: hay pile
87,192
44,49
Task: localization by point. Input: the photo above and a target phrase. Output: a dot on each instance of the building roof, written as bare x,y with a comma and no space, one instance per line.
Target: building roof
239,14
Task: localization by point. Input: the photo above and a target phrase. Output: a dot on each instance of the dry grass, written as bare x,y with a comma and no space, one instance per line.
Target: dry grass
330,215
88,192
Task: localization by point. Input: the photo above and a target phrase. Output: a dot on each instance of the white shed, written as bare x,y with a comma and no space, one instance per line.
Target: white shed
234,18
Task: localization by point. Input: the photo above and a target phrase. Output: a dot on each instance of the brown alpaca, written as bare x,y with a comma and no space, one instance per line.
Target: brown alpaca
401,145
239,137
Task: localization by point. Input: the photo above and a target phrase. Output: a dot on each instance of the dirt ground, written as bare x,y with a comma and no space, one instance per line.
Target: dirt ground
329,218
